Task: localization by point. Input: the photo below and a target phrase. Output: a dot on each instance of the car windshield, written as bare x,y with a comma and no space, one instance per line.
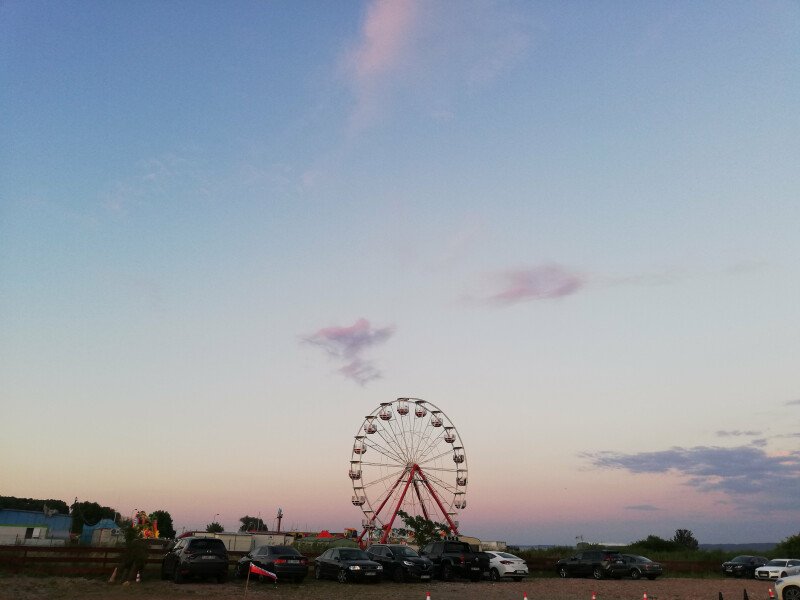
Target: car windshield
352,554
776,562
404,551
207,544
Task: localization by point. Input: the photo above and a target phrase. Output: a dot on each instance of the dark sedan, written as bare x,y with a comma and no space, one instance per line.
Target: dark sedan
743,566
641,566
347,564
401,562
286,562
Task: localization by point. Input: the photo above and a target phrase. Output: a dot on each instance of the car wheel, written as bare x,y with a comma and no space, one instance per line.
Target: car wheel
562,572
398,574
177,577
791,593
447,572
317,572
597,573
494,574
342,576
635,573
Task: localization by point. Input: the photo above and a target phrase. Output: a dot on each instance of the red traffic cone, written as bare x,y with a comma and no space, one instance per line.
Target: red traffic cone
645,596
427,596
594,596
524,596
771,594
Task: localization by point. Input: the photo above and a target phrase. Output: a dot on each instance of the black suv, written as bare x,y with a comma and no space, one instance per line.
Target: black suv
196,557
743,566
401,562
597,563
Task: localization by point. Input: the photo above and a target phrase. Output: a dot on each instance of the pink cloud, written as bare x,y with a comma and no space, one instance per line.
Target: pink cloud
347,344
384,37
384,34
535,283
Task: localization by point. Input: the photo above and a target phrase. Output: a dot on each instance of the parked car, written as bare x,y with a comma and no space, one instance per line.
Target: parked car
456,558
743,566
401,562
196,557
597,563
347,564
641,566
788,588
286,562
779,567
503,564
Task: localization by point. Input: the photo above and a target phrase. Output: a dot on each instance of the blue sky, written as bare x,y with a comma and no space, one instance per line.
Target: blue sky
571,226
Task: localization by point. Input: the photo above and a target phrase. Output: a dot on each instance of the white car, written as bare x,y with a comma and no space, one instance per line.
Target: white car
503,564
788,588
778,567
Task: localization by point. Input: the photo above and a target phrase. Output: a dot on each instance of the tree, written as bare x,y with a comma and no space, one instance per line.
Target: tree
685,539
424,530
214,528
89,513
653,543
788,547
252,524
15,503
164,520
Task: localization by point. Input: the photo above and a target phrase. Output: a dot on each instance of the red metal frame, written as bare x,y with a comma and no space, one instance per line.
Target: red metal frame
409,480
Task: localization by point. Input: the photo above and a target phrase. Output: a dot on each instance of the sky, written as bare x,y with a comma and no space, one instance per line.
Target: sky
229,231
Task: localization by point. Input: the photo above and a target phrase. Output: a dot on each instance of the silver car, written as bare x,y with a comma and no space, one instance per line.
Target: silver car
788,588
503,564
779,567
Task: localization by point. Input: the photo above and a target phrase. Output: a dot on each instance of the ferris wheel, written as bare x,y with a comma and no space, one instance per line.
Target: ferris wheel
407,455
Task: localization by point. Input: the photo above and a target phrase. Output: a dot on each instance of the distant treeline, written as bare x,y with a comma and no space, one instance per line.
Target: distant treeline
12,503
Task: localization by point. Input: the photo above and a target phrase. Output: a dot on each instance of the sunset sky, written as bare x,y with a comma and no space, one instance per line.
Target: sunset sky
229,230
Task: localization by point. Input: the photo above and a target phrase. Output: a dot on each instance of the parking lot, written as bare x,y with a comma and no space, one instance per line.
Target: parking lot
20,587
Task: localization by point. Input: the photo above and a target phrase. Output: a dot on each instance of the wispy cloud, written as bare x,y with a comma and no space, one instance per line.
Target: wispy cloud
643,507
755,478
347,345
737,433
542,282
383,37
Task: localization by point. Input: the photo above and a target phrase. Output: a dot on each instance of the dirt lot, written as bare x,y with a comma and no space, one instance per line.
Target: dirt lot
20,587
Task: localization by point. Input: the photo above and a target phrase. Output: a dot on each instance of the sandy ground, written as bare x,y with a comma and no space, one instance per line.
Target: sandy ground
20,587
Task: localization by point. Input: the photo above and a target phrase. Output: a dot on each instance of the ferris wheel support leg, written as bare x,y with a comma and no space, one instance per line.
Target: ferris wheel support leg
435,496
388,528
421,503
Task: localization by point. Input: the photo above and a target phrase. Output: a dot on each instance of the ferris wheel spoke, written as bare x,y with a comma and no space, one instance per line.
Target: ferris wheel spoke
390,444
430,459
399,441
388,452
